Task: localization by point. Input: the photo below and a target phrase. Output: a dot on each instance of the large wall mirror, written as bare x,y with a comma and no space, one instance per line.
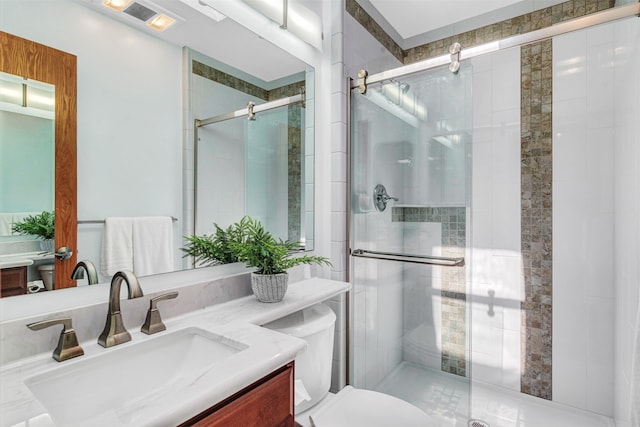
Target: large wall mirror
139,153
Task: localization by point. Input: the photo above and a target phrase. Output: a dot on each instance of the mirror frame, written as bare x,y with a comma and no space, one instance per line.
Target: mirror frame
35,61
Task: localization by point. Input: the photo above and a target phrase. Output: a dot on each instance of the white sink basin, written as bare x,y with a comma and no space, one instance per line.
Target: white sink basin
95,387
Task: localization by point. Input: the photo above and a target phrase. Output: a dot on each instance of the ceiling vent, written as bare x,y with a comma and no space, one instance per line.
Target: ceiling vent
146,12
140,12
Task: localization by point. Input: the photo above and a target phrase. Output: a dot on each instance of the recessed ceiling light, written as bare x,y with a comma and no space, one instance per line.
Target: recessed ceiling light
116,5
161,22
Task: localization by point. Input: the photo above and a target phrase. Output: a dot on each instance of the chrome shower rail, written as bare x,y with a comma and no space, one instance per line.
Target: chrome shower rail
255,108
416,259
608,15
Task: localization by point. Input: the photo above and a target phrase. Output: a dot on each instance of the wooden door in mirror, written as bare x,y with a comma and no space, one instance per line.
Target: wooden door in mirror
35,61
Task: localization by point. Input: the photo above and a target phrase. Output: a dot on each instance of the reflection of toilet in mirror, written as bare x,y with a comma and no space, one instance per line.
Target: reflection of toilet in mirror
46,275
315,406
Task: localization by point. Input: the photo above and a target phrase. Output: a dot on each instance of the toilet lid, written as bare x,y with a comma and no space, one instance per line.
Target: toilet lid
352,407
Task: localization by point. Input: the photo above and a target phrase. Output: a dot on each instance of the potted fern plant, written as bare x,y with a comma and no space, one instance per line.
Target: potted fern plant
271,258
216,249
40,225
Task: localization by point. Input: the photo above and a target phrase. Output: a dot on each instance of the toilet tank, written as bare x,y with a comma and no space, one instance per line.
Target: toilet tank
313,367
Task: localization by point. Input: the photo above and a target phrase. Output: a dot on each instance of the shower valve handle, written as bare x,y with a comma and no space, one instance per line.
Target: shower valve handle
380,197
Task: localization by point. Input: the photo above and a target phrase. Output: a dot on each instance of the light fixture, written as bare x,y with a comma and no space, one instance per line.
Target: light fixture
116,5
296,18
40,99
145,12
305,24
272,9
161,22
211,12
28,97
11,92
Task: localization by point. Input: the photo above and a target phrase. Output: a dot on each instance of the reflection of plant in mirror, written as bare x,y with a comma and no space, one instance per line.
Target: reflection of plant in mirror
260,249
216,248
41,225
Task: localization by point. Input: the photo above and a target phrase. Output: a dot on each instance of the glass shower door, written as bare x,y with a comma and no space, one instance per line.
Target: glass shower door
266,157
409,238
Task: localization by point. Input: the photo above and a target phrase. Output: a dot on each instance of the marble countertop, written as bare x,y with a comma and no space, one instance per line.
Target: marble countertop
23,259
238,319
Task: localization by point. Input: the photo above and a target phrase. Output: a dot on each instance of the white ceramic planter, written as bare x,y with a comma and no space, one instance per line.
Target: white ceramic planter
269,287
46,245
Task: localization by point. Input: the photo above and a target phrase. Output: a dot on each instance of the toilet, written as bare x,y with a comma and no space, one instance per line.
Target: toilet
350,407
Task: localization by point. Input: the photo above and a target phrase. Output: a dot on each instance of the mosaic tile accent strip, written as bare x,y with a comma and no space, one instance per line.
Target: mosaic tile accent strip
286,91
221,77
295,156
208,72
536,213
453,327
359,14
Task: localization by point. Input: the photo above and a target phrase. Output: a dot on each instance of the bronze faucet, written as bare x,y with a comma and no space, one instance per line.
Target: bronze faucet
114,332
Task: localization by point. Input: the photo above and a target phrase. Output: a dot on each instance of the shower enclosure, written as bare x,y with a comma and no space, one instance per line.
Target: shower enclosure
410,233
493,237
266,144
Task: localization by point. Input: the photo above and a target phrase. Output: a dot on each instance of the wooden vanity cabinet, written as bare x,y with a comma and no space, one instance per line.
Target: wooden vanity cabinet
13,281
268,402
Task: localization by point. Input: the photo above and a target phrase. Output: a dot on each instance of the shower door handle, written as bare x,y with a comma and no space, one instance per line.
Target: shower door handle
417,259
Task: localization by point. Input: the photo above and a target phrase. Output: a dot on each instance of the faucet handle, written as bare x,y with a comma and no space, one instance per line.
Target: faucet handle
68,346
153,322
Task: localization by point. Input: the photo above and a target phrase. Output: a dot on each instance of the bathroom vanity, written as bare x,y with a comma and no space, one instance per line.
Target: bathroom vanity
14,271
268,402
13,281
211,365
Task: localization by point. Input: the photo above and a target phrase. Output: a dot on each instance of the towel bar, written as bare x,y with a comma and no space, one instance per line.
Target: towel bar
101,221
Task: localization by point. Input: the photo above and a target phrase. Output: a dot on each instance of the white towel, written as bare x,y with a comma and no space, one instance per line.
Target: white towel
117,246
6,221
152,245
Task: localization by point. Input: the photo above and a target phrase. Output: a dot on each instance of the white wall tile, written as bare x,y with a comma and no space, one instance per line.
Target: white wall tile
339,137
569,66
482,97
495,267
506,79
583,243
600,346
627,199
482,191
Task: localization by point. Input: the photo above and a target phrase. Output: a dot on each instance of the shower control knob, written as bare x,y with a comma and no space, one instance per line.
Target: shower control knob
380,197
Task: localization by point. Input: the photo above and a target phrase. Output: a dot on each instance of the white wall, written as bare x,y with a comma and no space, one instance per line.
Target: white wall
26,164
626,88
583,219
129,122
496,261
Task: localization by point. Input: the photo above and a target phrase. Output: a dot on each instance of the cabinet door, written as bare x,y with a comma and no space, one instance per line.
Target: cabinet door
13,281
266,403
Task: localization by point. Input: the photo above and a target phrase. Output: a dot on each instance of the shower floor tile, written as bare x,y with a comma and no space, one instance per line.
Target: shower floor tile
445,397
